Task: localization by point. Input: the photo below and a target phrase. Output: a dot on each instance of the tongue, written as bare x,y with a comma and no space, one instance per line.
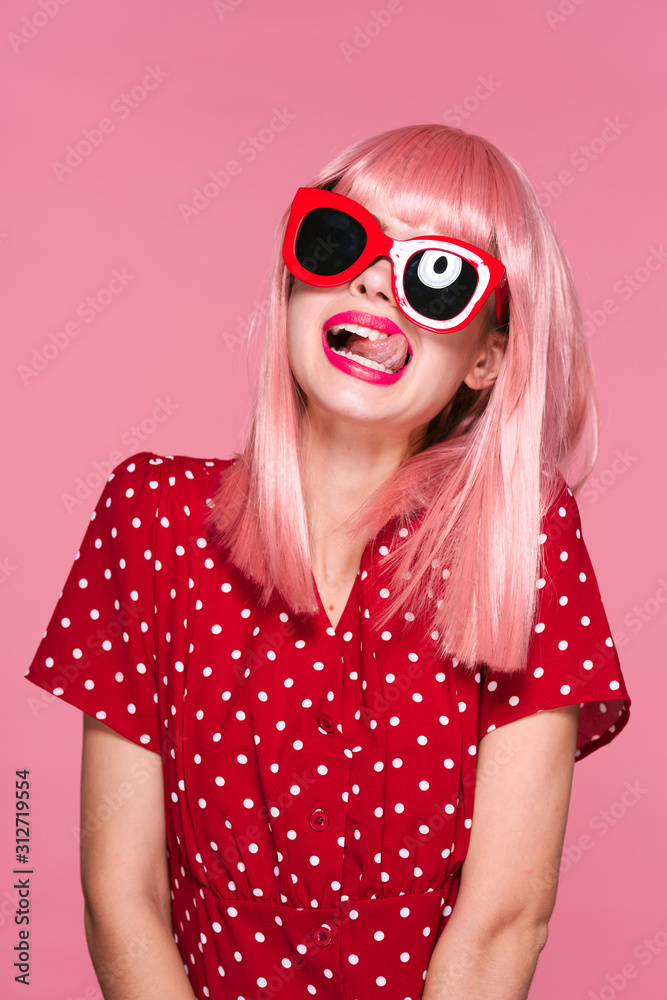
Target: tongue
390,352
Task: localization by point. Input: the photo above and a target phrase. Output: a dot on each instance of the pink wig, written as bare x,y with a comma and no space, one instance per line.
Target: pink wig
492,461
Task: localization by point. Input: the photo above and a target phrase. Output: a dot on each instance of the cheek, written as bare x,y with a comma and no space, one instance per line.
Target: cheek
303,308
302,342
444,364
295,322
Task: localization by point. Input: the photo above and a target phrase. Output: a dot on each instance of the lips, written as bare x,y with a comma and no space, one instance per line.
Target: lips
387,351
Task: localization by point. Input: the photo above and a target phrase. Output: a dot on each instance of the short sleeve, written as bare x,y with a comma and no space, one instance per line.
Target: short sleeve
572,657
98,651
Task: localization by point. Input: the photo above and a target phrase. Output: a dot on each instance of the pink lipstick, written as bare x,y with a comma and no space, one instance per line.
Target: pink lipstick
366,372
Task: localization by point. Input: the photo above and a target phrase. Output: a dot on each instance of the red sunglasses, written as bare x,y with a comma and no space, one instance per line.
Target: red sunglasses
439,283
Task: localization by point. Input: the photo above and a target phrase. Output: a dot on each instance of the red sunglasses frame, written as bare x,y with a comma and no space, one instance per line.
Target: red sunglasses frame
491,274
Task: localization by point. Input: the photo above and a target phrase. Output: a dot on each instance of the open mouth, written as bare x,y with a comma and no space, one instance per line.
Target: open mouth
388,353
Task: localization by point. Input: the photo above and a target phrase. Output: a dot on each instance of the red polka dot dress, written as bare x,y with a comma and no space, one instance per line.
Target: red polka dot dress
319,782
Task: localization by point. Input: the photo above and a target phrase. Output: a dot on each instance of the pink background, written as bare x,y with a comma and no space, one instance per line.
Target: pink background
541,81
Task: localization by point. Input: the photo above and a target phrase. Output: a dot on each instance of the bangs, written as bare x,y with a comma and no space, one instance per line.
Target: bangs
440,183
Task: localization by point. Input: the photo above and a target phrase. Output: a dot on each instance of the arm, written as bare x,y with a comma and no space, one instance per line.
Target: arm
124,870
490,946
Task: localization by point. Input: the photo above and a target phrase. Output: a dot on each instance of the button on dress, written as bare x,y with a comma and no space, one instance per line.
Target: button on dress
319,782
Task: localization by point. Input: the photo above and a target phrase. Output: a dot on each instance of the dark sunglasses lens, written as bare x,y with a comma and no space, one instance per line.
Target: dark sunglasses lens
439,285
329,241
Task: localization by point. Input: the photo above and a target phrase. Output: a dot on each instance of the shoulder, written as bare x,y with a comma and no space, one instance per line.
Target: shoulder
560,526
145,473
148,495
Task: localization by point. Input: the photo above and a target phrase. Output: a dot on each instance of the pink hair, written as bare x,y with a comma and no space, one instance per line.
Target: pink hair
492,461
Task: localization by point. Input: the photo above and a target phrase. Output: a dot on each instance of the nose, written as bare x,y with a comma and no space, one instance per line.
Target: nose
375,281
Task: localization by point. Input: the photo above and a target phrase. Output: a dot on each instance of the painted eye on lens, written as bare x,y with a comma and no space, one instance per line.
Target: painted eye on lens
439,285
438,269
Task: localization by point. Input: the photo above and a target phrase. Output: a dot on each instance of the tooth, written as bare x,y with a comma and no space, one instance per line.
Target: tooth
362,331
368,362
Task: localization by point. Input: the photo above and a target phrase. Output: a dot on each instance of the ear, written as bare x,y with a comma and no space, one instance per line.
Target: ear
488,361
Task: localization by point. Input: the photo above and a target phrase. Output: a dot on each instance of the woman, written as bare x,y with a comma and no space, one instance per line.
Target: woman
300,667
